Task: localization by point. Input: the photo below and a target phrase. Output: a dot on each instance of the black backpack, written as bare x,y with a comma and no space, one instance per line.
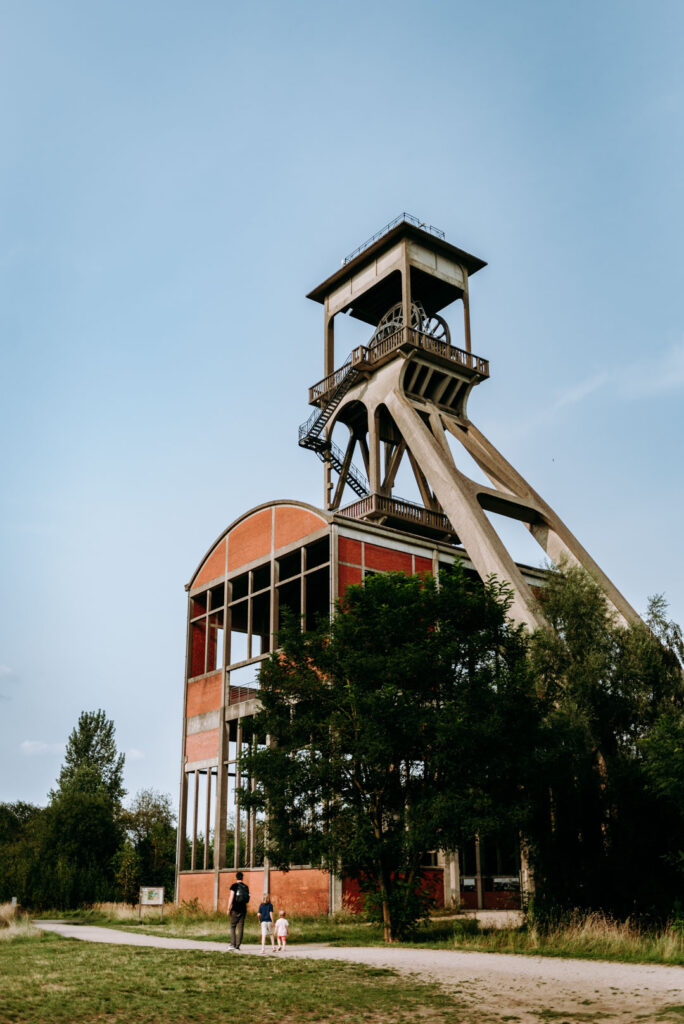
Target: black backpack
241,898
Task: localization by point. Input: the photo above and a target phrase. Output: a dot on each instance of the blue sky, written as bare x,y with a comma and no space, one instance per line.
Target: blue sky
176,177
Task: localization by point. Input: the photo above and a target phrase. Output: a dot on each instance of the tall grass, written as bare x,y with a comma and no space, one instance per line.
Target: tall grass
15,925
580,935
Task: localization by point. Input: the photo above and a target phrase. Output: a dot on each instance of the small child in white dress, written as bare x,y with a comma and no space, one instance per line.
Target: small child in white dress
282,930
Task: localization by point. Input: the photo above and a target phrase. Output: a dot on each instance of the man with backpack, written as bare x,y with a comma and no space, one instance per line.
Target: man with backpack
237,911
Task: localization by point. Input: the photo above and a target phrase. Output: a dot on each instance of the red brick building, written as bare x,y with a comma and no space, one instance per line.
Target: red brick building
286,555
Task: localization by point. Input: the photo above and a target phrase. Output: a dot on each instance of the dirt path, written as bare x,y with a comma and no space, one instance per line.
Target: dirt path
494,987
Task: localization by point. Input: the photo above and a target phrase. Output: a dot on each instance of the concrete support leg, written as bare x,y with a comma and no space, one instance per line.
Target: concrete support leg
549,531
457,496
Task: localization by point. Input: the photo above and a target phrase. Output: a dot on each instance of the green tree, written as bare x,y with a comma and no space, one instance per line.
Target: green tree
91,760
21,826
663,746
127,872
81,837
600,835
82,827
151,843
394,737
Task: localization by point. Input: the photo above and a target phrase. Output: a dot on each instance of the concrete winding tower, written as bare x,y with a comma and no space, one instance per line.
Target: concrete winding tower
397,405
402,393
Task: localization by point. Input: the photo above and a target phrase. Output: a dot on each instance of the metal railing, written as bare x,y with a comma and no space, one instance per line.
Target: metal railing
353,470
356,356
399,508
402,336
403,217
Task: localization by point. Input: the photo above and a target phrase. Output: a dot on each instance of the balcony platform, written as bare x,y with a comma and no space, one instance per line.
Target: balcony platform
404,341
400,513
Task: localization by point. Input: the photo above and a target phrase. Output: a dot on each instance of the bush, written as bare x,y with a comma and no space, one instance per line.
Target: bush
409,905
466,928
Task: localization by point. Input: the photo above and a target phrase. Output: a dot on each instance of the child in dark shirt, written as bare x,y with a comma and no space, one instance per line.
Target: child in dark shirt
265,915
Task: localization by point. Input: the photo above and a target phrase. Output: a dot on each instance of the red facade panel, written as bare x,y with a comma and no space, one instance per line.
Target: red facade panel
200,746
422,565
298,891
432,881
386,559
292,523
197,885
251,539
346,575
213,567
204,695
349,550
198,636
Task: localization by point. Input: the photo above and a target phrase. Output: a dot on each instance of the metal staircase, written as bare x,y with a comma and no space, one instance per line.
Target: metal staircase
310,433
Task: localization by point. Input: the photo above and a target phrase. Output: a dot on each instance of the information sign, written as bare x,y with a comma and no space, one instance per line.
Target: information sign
151,896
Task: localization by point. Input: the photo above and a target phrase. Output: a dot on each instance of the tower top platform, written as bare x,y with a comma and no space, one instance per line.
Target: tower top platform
433,261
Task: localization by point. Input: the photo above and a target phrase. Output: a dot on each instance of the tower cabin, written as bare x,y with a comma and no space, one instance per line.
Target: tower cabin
399,398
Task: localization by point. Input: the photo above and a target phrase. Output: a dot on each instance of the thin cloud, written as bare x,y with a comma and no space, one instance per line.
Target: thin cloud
37,748
572,396
579,392
134,755
661,373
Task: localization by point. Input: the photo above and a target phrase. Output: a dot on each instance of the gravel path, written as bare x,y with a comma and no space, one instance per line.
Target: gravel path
495,987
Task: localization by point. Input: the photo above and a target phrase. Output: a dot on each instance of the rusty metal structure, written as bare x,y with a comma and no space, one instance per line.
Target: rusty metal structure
400,399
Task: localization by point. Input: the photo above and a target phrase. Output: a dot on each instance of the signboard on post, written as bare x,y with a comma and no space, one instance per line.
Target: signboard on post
151,896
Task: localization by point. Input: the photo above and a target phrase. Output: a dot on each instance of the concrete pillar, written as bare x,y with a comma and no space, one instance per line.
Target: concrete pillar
374,468
334,893
527,886
452,879
195,808
466,313
236,842
478,875
329,342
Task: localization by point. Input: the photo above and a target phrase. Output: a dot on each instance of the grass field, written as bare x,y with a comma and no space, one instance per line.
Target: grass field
344,929
592,937
50,980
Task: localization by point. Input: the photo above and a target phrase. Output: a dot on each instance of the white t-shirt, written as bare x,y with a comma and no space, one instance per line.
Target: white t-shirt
281,926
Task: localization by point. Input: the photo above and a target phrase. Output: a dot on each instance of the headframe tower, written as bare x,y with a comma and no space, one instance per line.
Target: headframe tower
402,393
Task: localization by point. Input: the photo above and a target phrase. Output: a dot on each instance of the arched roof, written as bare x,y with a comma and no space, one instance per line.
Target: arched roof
258,534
